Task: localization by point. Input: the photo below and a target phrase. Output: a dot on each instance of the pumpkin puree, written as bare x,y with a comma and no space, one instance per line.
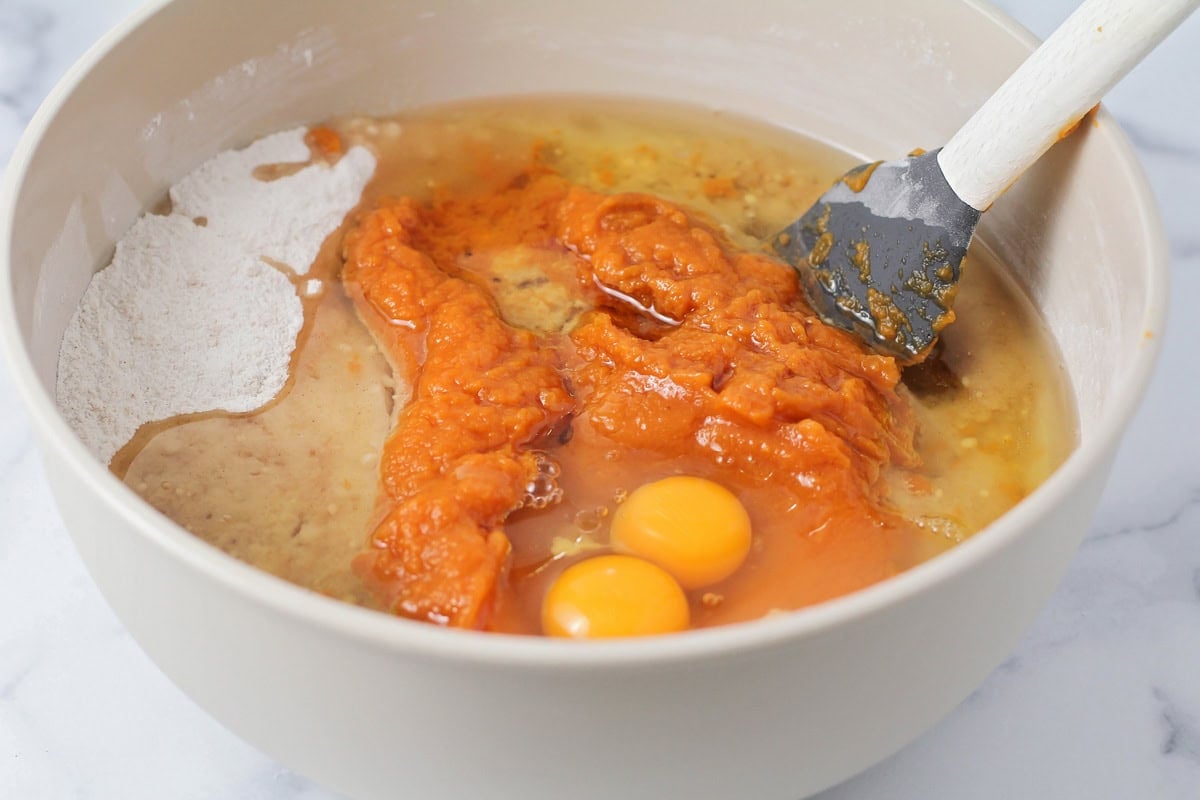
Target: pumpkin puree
691,357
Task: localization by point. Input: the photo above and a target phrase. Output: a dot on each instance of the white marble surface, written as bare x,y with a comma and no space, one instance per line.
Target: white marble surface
1100,700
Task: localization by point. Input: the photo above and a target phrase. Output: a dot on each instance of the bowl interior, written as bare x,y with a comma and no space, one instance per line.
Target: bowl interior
876,77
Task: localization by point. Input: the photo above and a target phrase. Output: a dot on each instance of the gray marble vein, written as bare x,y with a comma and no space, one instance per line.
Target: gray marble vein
1100,700
1182,729
1166,518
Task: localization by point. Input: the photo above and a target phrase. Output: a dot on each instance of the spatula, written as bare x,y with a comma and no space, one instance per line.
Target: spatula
881,252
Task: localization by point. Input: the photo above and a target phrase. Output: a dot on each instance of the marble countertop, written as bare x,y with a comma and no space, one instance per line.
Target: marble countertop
1100,700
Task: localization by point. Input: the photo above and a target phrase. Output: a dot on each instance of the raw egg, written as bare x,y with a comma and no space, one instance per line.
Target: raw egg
691,527
614,595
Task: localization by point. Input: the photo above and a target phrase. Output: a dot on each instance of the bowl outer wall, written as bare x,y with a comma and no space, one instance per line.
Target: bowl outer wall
365,703
765,720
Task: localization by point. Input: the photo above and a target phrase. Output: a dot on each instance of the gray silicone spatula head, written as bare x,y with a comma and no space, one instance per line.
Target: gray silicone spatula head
881,253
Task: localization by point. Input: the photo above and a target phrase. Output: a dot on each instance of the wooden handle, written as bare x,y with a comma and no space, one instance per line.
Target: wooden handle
1064,78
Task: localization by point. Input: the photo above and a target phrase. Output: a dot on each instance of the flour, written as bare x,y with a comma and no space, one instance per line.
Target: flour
284,220
190,317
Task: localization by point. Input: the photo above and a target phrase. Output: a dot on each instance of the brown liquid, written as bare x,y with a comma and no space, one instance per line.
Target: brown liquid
292,488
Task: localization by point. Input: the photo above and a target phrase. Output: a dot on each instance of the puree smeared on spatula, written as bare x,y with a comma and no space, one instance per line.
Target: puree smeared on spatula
613,412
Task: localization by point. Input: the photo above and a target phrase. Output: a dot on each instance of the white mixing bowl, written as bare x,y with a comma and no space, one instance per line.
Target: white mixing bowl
380,707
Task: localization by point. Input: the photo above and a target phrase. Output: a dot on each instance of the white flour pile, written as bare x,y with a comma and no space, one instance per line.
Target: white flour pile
190,317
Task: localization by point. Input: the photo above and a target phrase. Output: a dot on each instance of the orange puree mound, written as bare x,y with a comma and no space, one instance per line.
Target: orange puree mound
324,141
749,376
454,466
692,353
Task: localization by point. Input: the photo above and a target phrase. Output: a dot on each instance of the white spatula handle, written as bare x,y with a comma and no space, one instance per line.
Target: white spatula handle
1057,84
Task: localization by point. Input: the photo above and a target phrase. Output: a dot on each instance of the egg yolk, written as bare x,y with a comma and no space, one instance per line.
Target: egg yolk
614,595
691,527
